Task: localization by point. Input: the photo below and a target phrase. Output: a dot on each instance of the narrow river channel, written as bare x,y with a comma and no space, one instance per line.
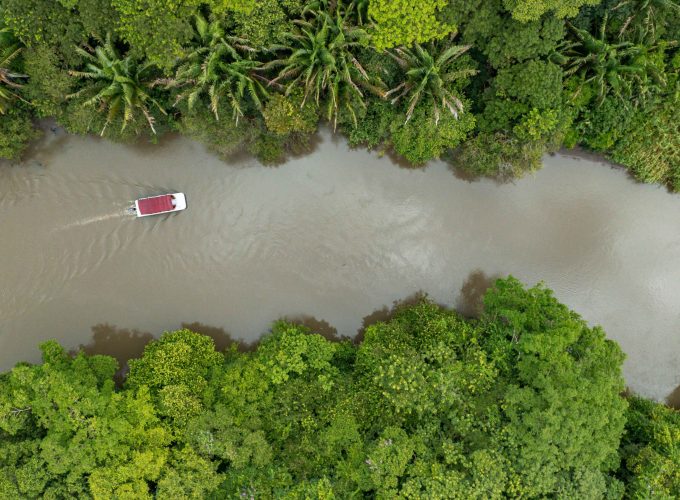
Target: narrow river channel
332,238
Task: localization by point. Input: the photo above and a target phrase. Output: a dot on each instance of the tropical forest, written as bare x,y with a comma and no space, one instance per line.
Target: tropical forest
319,137
489,84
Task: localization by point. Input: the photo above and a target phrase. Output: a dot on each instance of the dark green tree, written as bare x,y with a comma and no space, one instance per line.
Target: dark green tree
646,19
9,78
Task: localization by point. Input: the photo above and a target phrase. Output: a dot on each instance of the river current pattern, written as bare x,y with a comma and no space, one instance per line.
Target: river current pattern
333,239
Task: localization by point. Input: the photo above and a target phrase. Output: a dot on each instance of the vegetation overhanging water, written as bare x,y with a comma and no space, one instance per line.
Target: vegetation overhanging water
524,402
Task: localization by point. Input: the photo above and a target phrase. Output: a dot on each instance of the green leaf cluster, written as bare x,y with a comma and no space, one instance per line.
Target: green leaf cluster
404,22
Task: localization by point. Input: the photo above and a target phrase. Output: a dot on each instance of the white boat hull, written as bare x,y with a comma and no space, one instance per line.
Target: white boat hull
180,204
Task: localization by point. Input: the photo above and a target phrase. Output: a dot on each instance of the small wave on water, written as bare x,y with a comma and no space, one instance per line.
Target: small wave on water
118,214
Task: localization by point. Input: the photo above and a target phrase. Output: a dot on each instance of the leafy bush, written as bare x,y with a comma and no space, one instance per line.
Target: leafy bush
499,155
650,145
374,126
420,139
404,22
224,137
16,131
286,114
650,451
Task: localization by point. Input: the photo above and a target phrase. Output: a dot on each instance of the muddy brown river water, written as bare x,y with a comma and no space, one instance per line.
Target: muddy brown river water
331,239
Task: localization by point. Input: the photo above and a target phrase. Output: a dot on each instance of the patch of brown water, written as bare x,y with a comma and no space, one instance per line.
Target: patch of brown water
330,236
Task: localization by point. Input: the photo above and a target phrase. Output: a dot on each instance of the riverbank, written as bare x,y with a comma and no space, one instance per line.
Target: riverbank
337,236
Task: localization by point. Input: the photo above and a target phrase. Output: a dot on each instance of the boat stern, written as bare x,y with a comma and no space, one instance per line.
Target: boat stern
180,201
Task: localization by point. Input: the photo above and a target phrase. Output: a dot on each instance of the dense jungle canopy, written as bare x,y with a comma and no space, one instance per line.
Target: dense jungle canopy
490,85
525,401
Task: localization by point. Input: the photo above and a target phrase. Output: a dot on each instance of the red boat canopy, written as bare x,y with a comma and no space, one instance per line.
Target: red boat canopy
155,205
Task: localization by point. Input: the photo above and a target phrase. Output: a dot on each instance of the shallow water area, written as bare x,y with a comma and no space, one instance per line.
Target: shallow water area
331,238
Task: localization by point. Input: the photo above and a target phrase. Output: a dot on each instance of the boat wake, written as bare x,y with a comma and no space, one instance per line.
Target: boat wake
91,220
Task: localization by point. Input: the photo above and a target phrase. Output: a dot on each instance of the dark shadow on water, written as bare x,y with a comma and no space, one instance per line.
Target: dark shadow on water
149,145
320,326
470,300
673,399
306,146
580,153
120,343
400,161
223,339
454,164
125,344
41,150
386,313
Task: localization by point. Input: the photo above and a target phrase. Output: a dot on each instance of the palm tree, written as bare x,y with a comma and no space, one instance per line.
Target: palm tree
645,15
9,50
624,69
118,83
321,59
216,68
429,75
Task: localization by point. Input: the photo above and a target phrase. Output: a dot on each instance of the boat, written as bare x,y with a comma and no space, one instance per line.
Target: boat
161,204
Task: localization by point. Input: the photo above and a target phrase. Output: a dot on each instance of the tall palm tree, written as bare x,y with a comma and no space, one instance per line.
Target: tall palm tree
216,68
321,59
9,51
624,69
119,85
429,75
645,16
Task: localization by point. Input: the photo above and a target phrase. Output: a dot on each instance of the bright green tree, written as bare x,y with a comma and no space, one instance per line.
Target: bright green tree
180,358
65,432
562,412
651,451
404,22
532,10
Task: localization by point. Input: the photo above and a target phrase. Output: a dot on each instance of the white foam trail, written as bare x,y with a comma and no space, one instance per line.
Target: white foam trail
92,220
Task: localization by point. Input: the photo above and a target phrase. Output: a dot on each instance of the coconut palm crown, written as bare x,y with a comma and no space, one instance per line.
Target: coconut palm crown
321,58
645,17
9,51
215,67
119,85
624,69
429,78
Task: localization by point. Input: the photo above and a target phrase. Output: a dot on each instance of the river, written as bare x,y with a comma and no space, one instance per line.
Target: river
331,239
